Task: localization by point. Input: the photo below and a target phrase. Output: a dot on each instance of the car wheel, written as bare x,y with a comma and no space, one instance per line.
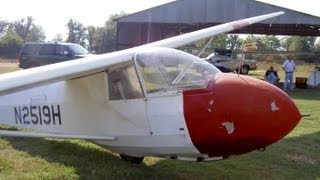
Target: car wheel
131,159
244,70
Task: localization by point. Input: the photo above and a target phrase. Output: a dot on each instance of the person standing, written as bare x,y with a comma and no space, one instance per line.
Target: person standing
289,67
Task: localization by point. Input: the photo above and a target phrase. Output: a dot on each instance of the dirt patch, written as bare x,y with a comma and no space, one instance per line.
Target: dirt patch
8,64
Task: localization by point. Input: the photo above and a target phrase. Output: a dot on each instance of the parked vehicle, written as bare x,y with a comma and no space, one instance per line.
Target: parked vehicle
232,64
38,54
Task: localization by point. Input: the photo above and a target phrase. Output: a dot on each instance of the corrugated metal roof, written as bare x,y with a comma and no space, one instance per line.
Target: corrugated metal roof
216,11
183,16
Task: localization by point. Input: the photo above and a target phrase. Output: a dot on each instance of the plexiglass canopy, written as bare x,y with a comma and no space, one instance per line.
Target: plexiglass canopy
167,69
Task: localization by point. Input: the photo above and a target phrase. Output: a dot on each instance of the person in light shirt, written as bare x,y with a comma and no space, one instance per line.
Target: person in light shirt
289,67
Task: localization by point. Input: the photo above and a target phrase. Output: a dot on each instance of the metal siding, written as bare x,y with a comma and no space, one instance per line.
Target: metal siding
216,11
126,31
190,15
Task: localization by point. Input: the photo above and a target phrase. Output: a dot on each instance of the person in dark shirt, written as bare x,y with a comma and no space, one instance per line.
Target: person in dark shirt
271,75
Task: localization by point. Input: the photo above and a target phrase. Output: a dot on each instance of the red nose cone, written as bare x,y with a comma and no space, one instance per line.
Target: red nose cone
238,114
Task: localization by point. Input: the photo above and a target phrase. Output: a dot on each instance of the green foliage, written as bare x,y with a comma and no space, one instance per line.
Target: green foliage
234,42
14,34
10,45
22,27
103,39
220,41
271,43
258,40
91,33
201,43
299,43
27,30
3,27
77,32
35,34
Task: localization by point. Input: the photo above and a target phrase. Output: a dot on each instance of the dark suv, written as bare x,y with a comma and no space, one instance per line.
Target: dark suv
38,54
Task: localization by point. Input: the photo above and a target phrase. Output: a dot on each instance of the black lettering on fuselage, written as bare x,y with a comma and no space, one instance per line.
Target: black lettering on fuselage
56,114
38,115
46,115
33,114
25,112
17,115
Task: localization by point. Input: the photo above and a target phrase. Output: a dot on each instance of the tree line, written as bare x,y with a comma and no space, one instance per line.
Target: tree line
103,39
96,39
267,43
14,34
264,42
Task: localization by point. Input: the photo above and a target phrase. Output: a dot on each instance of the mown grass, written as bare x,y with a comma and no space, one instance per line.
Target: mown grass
295,157
8,69
302,70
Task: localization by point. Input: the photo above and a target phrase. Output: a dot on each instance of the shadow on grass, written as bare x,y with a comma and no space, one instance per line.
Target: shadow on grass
305,94
296,157
89,161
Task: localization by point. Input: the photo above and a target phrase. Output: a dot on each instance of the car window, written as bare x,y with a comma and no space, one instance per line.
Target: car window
30,49
77,49
61,49
48,49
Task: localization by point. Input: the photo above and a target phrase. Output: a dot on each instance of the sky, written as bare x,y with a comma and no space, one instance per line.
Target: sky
54,15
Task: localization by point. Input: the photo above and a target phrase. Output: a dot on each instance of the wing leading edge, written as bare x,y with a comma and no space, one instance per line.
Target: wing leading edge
25,79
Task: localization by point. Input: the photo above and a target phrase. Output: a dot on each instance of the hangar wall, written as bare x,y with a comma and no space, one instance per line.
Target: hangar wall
183,16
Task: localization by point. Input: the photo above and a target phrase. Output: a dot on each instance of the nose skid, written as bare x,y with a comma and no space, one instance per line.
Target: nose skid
238,114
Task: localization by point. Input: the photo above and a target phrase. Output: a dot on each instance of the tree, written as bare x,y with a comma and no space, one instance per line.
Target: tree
103,39
258,40
271,43
100,41
10,45
35,34
299,43
3,27
22,27
57,38
27,30
90,37
234,42
220,41
77,32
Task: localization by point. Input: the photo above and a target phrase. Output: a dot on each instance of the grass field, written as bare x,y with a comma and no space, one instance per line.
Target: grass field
8,69
295,157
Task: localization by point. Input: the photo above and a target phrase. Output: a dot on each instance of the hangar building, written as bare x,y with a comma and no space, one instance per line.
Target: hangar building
183,16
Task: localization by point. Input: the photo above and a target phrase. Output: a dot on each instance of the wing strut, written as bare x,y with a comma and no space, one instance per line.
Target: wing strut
205,47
